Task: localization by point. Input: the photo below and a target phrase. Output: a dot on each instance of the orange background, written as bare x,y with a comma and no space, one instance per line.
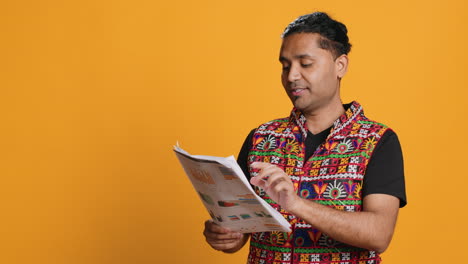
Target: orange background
95,93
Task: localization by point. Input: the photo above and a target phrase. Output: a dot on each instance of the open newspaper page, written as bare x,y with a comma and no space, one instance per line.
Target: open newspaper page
228,196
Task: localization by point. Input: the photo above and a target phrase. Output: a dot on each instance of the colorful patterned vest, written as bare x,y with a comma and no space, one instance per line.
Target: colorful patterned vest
333,176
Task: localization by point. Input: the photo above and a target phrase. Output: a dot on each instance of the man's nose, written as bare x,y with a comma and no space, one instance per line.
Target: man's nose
294,74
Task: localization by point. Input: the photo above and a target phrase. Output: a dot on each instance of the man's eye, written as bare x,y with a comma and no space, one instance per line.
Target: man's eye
306,65
285,68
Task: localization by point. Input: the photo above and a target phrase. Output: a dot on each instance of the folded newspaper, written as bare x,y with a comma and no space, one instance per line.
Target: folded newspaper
228,196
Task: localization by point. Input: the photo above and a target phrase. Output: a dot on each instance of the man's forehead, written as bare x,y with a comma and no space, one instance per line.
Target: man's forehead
302,40
300,45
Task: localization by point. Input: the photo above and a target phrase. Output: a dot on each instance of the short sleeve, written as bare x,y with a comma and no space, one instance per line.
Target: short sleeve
244,153
385,172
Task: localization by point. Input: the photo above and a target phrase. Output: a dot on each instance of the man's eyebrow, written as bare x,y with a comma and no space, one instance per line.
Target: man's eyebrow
302,56
282,59
299,56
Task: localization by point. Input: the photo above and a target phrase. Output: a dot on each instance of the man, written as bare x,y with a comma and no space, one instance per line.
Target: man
334,174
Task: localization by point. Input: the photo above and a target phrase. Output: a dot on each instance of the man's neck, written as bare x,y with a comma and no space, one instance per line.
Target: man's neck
323,118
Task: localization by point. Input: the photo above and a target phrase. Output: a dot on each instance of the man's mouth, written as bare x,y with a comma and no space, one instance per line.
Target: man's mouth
297,91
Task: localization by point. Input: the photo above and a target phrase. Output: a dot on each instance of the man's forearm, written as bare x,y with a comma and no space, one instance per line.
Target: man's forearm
371,229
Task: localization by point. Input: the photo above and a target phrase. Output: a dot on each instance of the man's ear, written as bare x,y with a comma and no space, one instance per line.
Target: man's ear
341,65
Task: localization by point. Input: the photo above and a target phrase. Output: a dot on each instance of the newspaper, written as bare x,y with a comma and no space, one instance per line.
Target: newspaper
228,196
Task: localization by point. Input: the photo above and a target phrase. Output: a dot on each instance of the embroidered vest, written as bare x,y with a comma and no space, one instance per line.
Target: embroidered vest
333,176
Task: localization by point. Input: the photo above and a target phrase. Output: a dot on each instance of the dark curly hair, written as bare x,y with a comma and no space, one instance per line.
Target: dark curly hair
334,34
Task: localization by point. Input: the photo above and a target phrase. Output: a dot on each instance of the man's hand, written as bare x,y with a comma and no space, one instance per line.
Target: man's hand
276,184
223,239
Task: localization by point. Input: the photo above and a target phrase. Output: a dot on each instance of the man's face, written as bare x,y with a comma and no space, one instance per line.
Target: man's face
310,74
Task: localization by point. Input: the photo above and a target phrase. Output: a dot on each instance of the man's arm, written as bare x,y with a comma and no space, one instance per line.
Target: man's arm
371,228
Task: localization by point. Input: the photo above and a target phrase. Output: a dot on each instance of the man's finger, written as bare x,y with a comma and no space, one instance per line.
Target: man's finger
222,246
266,170
221,236
214,231
257,182
213,227
261,165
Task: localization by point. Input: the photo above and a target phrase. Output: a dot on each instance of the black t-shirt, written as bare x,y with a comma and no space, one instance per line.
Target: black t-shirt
384,172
